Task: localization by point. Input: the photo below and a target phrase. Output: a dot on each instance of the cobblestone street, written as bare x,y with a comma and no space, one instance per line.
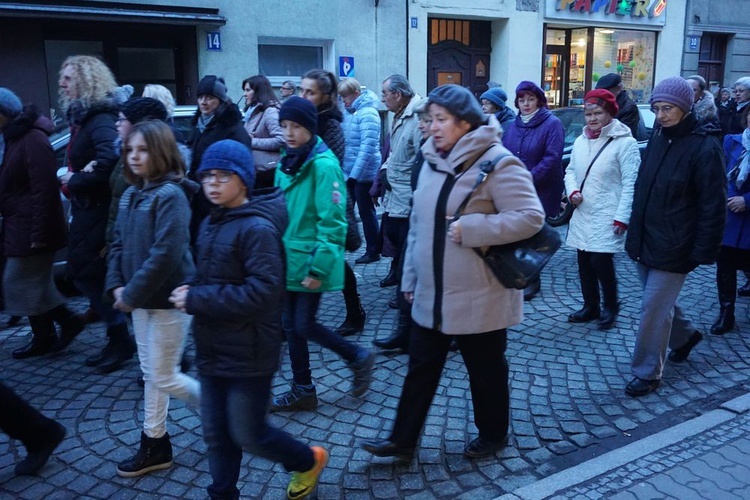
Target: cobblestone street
567,403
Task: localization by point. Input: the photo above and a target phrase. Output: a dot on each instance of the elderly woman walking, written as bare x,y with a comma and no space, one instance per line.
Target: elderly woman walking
448,283
604,161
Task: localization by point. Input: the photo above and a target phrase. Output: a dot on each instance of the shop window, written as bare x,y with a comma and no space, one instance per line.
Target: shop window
281,60
630,54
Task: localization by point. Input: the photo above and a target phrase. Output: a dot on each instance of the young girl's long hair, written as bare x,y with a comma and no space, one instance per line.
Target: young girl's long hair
164,158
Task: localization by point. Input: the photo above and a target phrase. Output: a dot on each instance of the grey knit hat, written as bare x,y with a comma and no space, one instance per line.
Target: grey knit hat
10,104
674,90
213,85
459,102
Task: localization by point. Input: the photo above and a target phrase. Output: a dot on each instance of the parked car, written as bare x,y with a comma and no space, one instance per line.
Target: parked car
60,139
573,122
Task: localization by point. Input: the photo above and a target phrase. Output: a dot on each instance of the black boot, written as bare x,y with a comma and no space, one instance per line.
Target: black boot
354,322
154,454
391,279
585,314
122,349
726,282
44,338
608,316
399,339
70,325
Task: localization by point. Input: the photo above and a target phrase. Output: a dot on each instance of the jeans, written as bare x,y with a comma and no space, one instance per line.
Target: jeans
234,418
360,193
160,335
300,326
662,325
94,291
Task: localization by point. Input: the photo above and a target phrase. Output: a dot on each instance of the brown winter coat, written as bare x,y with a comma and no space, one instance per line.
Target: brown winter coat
454,291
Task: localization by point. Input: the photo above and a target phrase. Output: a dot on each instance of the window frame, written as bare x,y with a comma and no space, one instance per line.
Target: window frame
329,64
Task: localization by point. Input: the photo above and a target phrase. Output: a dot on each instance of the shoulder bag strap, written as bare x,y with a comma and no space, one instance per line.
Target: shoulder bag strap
485,169
580,189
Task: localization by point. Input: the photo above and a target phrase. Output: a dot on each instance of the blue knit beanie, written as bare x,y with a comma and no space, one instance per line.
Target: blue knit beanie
299,110
674,90
232,156
10,104
496,96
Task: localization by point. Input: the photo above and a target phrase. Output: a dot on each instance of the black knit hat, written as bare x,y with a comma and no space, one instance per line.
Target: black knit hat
213,85
459,102
302,111
142,109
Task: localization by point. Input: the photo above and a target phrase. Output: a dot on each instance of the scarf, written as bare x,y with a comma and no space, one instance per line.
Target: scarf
742,168
249,112
590,134
296,157
527,118
203,122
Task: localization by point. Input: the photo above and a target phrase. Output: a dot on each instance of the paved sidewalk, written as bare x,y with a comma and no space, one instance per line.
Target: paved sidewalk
567,407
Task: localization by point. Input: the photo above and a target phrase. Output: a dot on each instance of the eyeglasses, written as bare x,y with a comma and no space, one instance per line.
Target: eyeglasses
286,88
222,176
662,109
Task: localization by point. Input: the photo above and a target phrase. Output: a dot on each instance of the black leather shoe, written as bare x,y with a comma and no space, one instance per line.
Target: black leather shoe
395,341
393,303
37,347
389,280
481,447
744,290
681,353
640,387
367,259
725,322
97,359
35,460
386,448
69,330
585,315
122,351
608,317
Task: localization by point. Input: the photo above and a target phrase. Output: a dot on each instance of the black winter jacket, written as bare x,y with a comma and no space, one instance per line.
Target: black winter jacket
679,205
628,113
237,294
29,192
227,124
92,138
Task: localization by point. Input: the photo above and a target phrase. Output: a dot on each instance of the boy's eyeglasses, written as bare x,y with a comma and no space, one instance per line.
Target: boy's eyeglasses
222,176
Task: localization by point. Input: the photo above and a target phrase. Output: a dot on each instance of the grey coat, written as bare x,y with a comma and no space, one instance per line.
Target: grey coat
150,255
405,142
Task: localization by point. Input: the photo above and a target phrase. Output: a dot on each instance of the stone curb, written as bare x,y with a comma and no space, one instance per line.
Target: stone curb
544,488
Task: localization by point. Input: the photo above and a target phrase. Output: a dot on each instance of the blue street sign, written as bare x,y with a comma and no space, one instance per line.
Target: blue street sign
213,41
346,66
693,43
415,22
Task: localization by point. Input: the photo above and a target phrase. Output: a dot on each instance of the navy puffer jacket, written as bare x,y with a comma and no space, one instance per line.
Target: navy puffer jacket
237,294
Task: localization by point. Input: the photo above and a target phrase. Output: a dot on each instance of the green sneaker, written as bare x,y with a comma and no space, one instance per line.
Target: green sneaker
303,483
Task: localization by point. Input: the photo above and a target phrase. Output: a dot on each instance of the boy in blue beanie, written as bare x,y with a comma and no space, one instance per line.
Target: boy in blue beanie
236,299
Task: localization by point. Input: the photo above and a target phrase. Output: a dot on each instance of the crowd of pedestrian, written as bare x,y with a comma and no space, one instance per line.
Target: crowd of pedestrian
234,233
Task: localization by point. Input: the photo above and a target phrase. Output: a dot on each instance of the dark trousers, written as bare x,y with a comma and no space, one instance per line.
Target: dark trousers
94,291
19,420
234,418
396,230
484,356
360,193
351,296
300,326
729,261
597,269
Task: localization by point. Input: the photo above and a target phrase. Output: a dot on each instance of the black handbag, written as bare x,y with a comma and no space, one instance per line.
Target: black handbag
516,264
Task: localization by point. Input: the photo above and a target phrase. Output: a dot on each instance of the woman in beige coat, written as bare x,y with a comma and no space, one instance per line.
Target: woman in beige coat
453,292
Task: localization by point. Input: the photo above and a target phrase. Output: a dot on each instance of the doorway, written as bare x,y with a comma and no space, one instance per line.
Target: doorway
459,53
566,73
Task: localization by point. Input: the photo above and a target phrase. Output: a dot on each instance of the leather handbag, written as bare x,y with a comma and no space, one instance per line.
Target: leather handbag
517,264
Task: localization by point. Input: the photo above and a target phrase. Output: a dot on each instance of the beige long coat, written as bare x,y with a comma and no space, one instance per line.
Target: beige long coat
454,291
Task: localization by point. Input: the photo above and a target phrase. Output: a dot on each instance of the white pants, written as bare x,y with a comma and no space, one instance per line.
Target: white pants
160,335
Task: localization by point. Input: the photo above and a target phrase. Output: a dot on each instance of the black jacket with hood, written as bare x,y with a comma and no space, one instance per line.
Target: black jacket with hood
679,205
236,296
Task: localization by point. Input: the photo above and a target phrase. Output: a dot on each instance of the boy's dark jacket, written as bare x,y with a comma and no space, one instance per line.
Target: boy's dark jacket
237,294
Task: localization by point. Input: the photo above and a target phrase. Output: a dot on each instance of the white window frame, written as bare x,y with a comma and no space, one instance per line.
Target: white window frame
329,64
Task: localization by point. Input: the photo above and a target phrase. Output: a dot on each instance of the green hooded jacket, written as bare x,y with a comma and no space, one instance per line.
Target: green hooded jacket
316,202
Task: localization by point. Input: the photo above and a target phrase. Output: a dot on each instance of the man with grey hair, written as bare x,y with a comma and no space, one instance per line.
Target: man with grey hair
737,119
395,175
288,89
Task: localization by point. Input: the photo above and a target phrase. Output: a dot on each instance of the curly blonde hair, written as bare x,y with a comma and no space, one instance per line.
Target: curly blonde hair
161,94
92,81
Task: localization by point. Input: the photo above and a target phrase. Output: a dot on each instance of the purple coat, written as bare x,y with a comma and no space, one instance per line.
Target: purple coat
737,229
539,145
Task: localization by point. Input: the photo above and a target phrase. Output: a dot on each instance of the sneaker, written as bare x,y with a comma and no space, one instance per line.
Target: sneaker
303,483
153,454
362,373
295,400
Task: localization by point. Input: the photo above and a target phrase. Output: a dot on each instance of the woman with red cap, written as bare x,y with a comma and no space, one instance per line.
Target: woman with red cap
599,182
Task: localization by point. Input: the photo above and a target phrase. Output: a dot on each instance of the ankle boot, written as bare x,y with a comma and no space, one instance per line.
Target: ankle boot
70,325
725,322
608,316
44,338
399,339
122,349
153,454
354,322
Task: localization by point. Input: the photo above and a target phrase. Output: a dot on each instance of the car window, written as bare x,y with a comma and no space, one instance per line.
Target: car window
573,121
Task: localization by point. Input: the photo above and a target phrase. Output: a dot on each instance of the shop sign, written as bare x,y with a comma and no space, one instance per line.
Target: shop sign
633,12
